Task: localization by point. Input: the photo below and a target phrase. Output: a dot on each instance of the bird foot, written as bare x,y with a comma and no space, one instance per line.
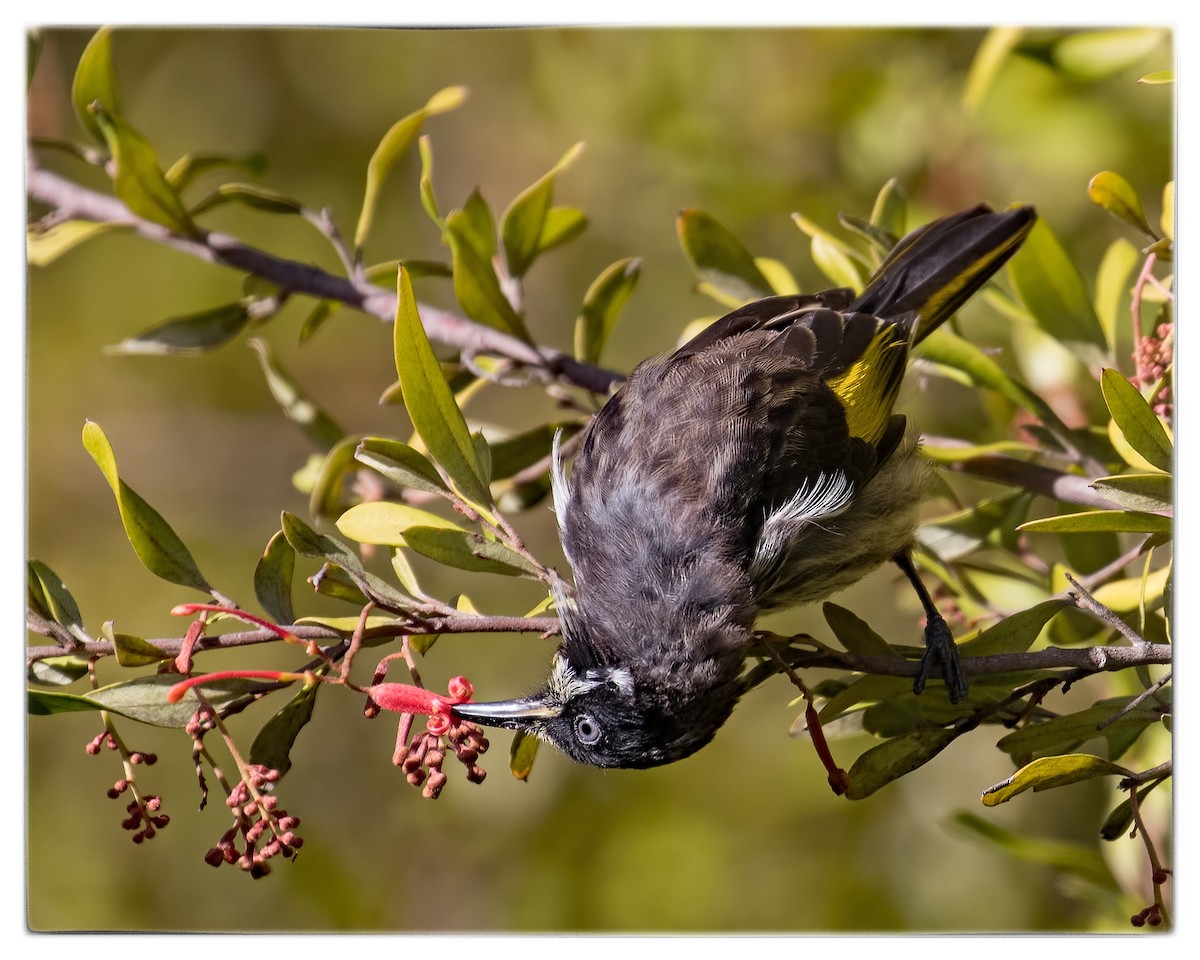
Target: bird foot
941,657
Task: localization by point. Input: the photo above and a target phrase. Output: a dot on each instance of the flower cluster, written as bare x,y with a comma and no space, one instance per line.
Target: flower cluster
1152,357
422,758
144,817
256,815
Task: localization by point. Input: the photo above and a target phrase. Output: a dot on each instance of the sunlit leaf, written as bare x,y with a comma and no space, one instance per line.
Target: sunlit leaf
467,551
189,167
384,522
95,81
1136,420
430,404
719,258
890,212
155,543
1113,287
1152,492
990,56
400,463
522,754
1116,195
257,198
1015,633
394,144
521,227
778,276
1091,521
145,699
132,651
325,498
1157,77
1093,54
49,596
835,264
1050,286
43,247
1047,772
272,744
602,304
476,286
562,225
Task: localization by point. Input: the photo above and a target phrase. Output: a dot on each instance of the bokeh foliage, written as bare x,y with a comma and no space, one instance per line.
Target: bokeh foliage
740,127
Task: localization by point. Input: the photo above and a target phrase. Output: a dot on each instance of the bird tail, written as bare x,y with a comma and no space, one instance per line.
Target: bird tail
933,271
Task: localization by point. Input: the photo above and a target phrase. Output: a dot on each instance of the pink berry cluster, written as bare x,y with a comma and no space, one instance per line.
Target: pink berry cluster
266,828
422,758
1152,357
144,818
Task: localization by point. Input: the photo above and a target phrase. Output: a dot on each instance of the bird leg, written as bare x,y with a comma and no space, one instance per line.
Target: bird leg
941,653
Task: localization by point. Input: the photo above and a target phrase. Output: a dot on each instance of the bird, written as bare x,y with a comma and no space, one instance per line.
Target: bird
759,466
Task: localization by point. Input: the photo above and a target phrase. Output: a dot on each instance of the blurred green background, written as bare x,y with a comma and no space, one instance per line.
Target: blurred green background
748,125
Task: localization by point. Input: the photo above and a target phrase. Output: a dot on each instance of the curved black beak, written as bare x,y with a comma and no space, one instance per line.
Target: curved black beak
511,714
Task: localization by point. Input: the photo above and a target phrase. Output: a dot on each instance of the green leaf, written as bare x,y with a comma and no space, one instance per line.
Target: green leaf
1138,491
1113,287
393,145
1070,730
309,543
467,551
879,242
49,596
1117,824
273,578
477,226
523,222
890,213
400,463
257,198
145,699
1050,286
1167,220
318,426
383,522
602,304
58,671
1116,195
43,247
325,498
993,53
522,450
719,258
953,351
562,225
1094,54
836,265
426,184
865,689
957,534
194,333
778,276
522,754
155,543
1069,858
139,182
429,402
1048,772
184,171
272,745
95,81
1013,634
893,759
1091,521
855,634
1133,593
132,651
1137,420
1157,77
476,286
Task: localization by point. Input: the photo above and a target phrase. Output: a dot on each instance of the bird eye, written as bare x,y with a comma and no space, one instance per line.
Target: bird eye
586,729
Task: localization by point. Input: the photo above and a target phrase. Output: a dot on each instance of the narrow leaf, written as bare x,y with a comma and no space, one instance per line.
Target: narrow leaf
1093,54
1047,772
95,81
318,426
1152,492
139,182
394,144
57,671
719,258
1116,195
325,498
522,754
257,198
273,578
467,551
383,522
1092,521
893,759
992,54
562,225
272,745
523,222
890,213
429,402
194,333
1113,287
43,247
854,634
184,171
49,596
522,450
400,463
835,264
1050,286
1013,634
1136,420
476,286
602,304
153,540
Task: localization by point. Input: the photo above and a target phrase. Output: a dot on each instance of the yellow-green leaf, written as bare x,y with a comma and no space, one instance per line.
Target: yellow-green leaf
1047,772
383,522
1168,210
1015,633
132,651
476,286
43,247
602,304
1153,492
1138,423
1093,54
194,333
467,551
1157,77
1113,287
893,759
890,212
400,463
719,258
429,402
1093,521
992,54
321,429
153,540
523,222
273,578
562,225
391,147
95,81
1116,195
325,498
522,754
257,198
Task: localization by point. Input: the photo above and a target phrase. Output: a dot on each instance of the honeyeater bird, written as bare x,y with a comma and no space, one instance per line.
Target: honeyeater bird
759,466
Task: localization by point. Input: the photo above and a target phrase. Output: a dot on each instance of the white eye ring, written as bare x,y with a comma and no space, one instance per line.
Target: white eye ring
587,731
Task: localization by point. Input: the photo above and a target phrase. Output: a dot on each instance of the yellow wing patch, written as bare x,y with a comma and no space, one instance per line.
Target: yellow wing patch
869,387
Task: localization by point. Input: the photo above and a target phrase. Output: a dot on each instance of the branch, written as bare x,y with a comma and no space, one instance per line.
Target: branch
74,202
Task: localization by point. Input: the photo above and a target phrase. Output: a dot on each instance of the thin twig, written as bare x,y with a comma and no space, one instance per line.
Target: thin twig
1137,701
1085,601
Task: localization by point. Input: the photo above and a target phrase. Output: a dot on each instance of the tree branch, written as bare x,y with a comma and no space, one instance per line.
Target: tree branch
72,201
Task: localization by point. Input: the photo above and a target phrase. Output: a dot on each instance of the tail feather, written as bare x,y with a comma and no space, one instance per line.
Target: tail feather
935,269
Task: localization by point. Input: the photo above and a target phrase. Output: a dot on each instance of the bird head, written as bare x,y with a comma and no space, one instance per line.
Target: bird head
616,716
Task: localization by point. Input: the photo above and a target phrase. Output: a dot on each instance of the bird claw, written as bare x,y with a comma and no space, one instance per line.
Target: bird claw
941,657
